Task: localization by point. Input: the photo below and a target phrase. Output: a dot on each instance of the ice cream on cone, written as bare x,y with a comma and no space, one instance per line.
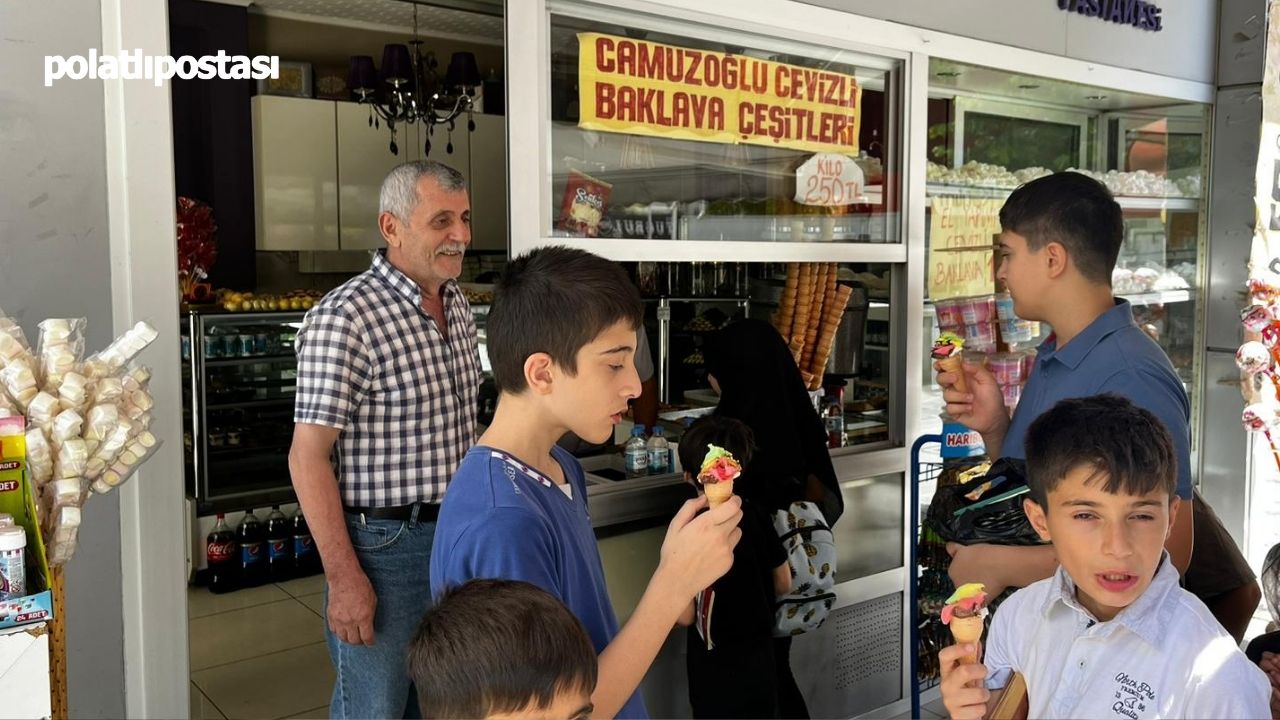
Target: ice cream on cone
965,613
947,352
719,470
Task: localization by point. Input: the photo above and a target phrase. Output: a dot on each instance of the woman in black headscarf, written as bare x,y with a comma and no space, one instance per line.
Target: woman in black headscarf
760,385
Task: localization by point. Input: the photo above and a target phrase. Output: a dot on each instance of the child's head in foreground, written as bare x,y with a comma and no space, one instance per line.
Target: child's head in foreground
1103,476
502,649
732,435
562,330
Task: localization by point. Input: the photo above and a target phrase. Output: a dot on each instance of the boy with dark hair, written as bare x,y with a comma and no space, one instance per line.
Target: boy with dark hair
502,649
729,656
1111,634
562,341
1060,238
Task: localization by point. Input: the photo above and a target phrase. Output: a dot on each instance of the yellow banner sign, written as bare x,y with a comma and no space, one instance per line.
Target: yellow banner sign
961,246
643,88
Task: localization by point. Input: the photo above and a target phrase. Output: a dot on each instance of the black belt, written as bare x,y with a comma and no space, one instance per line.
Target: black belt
427,512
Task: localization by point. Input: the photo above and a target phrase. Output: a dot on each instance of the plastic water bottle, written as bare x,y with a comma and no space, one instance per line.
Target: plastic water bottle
636,456
659,453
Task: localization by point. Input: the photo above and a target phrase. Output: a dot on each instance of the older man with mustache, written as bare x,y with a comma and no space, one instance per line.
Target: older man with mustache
388,374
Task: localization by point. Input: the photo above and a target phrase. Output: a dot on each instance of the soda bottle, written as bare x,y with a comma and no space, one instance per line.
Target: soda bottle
253,561
220,551
636,455
659,453
306,560
279,546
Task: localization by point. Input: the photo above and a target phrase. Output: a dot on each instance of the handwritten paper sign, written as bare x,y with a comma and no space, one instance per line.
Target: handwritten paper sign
960,246
643,88
828,179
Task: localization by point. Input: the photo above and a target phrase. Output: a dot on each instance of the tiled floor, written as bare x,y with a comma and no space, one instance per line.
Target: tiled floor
259,654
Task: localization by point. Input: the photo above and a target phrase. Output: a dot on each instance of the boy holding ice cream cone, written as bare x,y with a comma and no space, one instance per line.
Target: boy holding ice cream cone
1111,634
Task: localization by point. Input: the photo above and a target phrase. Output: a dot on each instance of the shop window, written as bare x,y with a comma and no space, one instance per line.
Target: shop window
674,136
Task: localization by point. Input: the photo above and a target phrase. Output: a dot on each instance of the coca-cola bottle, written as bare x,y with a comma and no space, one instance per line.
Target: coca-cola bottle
253,561
306,560
220,551
279,546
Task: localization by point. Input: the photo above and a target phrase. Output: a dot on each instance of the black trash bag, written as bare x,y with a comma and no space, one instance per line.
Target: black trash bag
995,516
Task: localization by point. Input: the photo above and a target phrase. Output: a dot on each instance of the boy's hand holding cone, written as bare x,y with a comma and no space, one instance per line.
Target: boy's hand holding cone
965,613
719,470
963,690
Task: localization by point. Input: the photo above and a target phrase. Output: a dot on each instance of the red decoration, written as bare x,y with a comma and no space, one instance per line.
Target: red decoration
197,248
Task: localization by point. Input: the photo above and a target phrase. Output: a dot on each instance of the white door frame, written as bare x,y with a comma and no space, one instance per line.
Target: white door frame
141,202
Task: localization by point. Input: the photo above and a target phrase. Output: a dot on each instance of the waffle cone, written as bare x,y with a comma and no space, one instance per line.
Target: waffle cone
955,364
967,630
718,493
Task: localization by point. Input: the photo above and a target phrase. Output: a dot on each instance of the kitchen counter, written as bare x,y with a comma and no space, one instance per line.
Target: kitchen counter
615,499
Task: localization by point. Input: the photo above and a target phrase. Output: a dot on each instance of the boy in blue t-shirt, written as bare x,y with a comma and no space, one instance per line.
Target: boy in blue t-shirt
562,341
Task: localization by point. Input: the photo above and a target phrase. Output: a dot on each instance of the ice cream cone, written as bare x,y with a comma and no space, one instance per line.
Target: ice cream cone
955,365
967,630
718,493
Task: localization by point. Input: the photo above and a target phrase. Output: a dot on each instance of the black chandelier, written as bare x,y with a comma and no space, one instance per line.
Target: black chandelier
408,89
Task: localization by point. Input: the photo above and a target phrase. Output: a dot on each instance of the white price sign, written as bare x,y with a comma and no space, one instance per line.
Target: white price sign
829,179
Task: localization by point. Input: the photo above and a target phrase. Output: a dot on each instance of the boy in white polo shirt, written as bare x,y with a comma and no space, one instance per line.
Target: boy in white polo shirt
1111,634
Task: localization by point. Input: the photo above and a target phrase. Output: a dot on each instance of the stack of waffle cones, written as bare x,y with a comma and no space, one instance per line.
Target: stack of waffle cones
809,315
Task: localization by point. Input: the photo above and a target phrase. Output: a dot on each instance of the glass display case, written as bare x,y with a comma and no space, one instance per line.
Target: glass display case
992,130
239,375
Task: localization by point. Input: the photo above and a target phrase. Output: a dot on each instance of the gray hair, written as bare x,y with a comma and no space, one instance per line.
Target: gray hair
399,193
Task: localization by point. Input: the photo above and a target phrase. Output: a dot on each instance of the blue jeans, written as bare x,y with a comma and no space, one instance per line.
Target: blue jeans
373,681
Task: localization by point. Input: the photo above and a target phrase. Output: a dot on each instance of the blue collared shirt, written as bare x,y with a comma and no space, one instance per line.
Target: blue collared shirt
1111,355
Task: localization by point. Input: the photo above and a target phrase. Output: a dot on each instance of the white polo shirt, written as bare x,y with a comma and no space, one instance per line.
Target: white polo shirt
1164,656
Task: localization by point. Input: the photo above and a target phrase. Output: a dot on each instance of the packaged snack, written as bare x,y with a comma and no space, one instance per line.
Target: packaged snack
43,408
71,460
19,382
137,452
107,390
61,342
584,204
115,356
74,390
67,425
39,457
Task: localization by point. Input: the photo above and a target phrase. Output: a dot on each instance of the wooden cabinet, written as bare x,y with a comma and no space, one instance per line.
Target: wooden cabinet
488,177
295,173
364,159
319,167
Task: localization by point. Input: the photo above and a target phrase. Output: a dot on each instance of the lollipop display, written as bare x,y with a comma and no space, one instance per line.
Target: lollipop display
1260,417
1254,358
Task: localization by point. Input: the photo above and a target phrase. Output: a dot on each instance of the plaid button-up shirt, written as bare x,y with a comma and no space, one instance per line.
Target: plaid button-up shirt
373,364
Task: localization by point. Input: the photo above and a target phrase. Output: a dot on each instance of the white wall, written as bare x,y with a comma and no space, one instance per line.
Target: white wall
54,262
1185,48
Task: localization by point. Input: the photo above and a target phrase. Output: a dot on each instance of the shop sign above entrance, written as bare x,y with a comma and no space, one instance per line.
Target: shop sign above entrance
632,86
1140,14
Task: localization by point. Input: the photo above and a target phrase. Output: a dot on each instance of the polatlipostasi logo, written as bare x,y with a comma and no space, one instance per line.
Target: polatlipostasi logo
134,65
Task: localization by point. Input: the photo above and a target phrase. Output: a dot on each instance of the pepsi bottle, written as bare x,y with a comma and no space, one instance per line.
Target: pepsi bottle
279,546
306,561
253,560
